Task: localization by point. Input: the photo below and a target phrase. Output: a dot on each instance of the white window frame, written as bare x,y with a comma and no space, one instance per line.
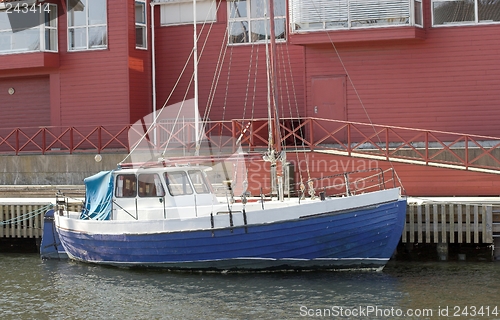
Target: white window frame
141,25
206,12
43,26
321,15
476,20
248,20
86,27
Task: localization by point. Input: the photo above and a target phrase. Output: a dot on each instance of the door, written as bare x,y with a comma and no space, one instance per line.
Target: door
329,102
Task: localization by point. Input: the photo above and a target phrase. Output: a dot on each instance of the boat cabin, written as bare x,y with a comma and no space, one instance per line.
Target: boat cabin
161,193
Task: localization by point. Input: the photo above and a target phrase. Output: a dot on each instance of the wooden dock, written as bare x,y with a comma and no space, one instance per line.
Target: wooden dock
23,217
452,220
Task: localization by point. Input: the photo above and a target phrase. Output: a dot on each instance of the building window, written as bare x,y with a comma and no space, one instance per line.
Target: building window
316,15
181,12
249,21
87,25
460,12
31,31
140,25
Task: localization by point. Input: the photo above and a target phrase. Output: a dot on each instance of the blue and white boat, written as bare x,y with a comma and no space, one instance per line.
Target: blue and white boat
169,217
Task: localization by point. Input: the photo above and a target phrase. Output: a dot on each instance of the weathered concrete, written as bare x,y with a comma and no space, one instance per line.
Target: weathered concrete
62,169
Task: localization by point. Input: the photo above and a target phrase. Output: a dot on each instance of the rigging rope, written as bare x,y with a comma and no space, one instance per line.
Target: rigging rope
357,93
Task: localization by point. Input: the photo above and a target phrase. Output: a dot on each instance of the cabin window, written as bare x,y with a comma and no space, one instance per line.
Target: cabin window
27,27
178,183
249,22
181,12
87,25
199,183
140,24
460,12
150,185
126,186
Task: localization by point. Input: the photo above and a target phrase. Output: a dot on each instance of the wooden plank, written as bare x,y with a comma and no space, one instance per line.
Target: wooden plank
488,224
38,223
476,223
467,223
419,226
452,222
459,226
412,224
2,218
427,224
405,228
31,221
435,222
18,223
443,224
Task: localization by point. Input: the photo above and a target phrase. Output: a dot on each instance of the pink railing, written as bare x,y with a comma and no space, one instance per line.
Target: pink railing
428,147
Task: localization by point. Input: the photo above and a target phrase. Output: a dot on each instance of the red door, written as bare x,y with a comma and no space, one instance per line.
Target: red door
328,102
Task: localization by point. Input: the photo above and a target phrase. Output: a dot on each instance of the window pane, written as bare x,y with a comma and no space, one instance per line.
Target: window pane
26,40
97,37
126,186
489,10
199,182
4,21
150,186
140,12
140,36
446,12
279,8
279,28
238,9
259,9
77,15
50,17
260,30
51,39
97,12
178,183
238,32
77,38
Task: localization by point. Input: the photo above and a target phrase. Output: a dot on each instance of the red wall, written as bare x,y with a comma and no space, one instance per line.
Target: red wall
95,83
29,106
448,82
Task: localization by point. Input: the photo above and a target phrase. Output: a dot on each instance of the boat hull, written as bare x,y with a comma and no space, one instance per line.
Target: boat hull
51,247
362,238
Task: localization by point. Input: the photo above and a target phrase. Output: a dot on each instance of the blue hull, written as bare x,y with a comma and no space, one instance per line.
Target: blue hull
361,238
51,247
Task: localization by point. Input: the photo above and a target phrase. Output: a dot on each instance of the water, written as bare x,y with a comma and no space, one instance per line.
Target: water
35,289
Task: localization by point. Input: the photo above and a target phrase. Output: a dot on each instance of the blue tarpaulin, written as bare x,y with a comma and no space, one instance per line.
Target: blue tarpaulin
98,196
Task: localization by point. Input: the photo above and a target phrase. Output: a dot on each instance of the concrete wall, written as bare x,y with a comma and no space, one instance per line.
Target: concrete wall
53,169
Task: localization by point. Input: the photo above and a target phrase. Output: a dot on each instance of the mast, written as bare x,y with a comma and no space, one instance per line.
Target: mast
274,91
195,71
274,152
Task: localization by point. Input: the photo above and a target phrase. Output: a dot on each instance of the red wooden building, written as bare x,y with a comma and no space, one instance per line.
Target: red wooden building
428,64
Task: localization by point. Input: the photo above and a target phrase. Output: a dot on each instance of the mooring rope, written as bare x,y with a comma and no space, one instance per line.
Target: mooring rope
27,216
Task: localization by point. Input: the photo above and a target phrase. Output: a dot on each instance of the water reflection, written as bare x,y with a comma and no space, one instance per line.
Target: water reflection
32,288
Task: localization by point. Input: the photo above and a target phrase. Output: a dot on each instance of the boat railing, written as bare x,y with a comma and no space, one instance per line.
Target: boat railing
350,183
